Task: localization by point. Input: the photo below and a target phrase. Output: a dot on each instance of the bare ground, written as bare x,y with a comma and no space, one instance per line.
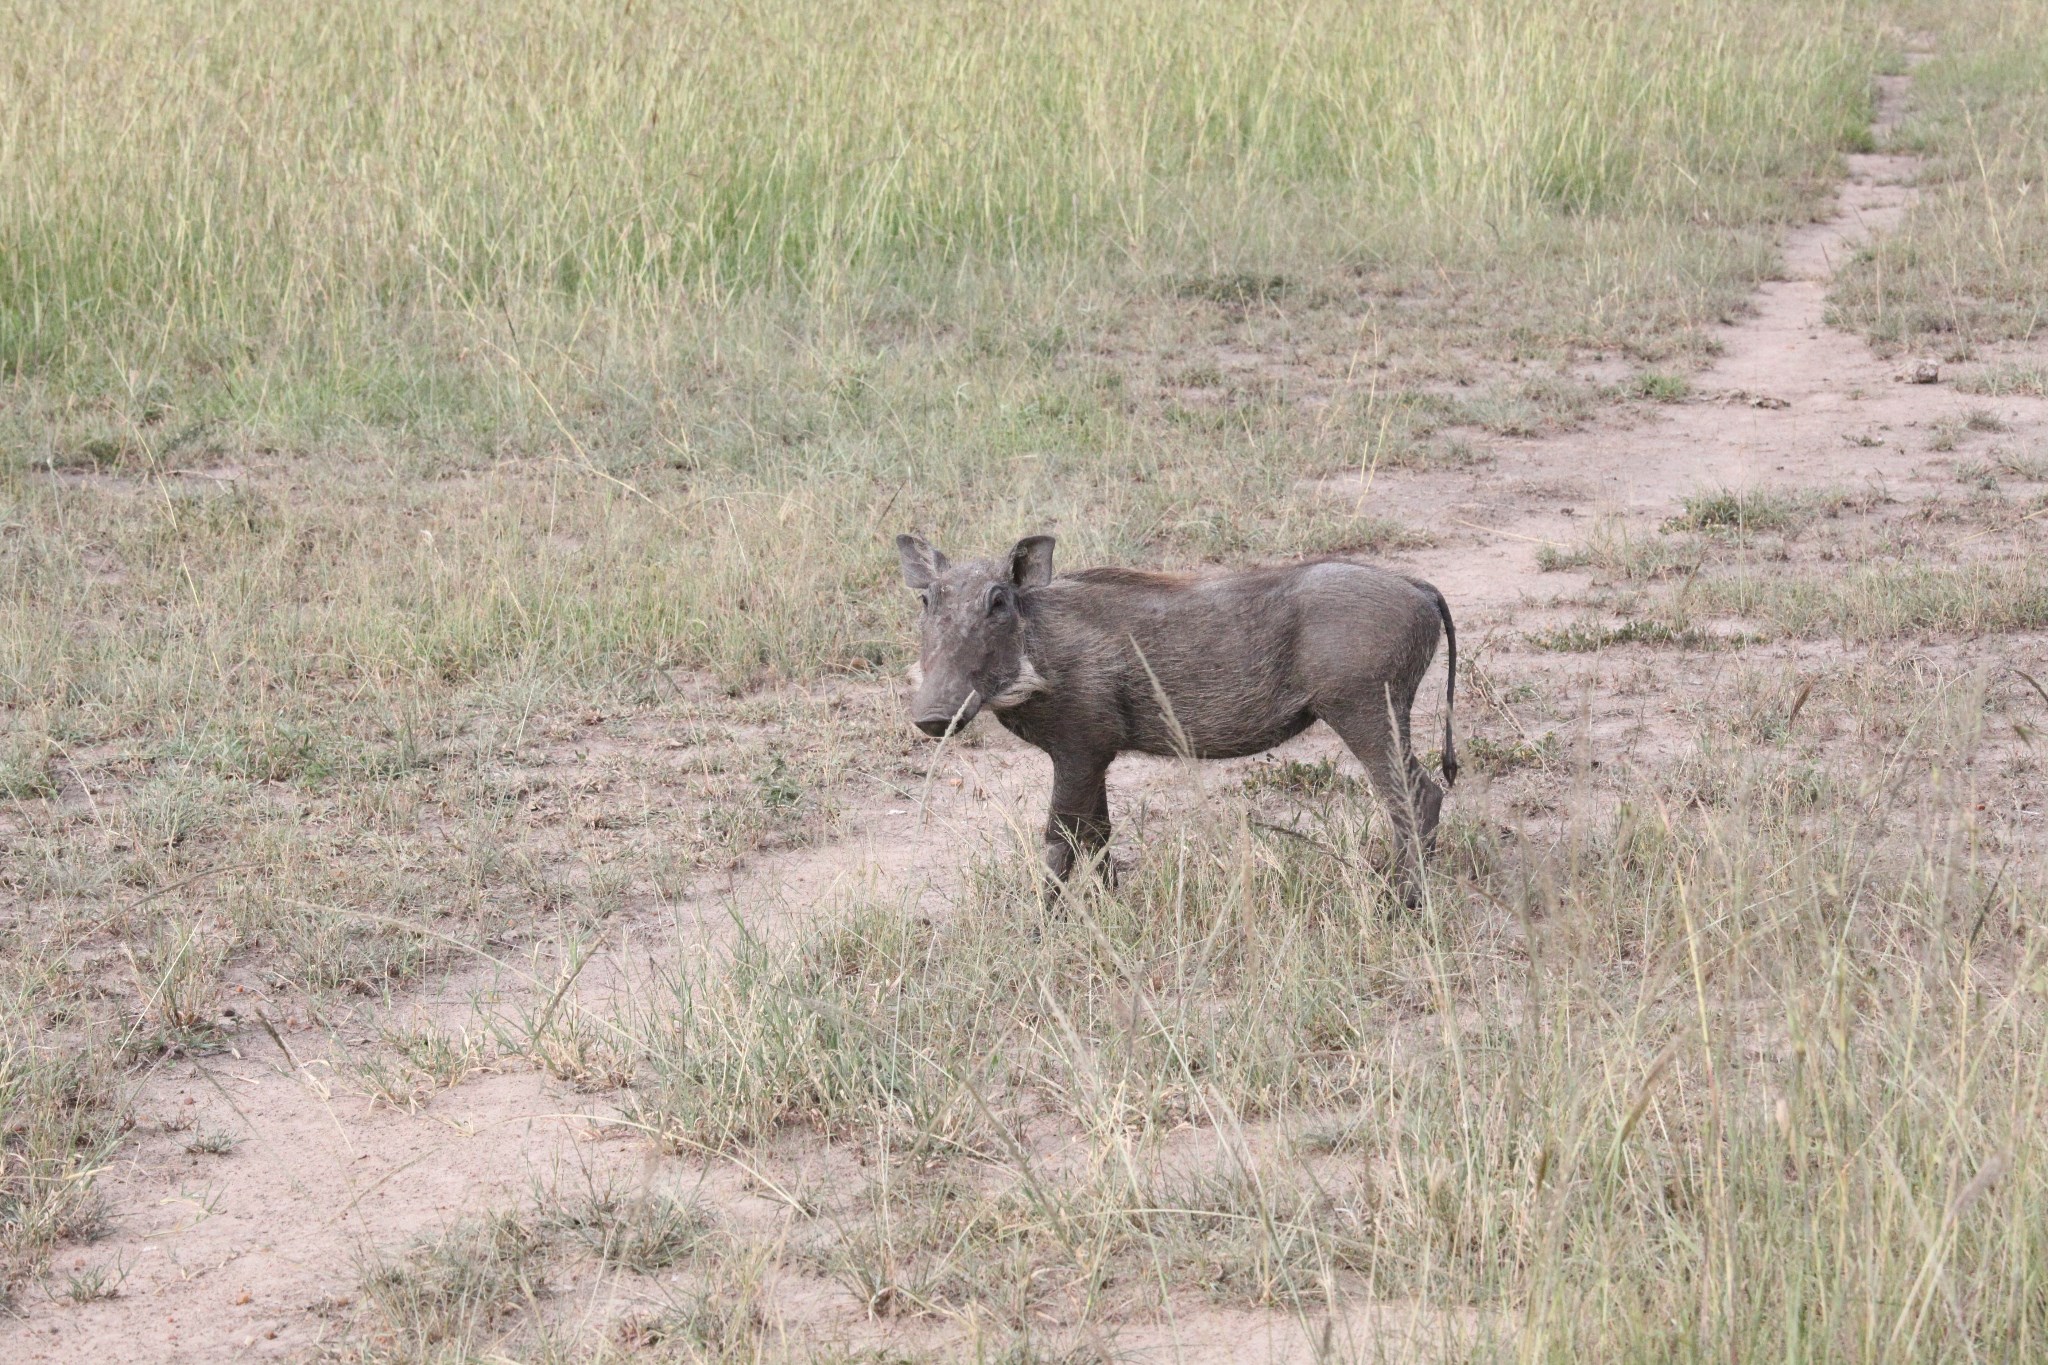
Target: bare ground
256,1253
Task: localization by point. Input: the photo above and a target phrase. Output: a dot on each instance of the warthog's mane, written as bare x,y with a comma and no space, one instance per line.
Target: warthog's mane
1147,578
1136,578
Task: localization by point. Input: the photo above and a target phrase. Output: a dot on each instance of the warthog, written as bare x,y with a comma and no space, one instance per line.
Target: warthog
1105,661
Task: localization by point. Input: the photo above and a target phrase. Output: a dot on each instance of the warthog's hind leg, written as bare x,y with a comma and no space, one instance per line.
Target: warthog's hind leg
1429,801
1412,798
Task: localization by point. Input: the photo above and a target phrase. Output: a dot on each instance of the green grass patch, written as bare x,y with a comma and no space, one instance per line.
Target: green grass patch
1293,777
1499,757
60,1122
1889,602
2030,467
1585,637
1612,553
453,1290
2006,380
1661,388
1742,511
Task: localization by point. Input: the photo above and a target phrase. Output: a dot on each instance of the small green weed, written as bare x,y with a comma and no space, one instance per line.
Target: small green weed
1741,510
1292,777
1977,474
780,788
1562,558
1504,756
1661,388
95,1283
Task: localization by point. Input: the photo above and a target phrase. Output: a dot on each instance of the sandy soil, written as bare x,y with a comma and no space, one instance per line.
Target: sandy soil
254,1255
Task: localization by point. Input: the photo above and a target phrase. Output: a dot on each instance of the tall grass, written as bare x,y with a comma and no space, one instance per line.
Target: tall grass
210,179
752,278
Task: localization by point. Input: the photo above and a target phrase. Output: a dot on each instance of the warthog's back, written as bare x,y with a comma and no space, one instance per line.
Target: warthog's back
1245,660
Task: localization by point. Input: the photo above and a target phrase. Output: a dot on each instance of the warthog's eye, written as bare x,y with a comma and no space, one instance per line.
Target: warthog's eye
924,601
997,600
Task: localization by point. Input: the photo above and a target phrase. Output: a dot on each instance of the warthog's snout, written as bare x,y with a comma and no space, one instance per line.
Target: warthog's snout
937,725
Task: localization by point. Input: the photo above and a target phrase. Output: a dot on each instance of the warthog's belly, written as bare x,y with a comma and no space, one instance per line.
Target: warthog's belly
1218,742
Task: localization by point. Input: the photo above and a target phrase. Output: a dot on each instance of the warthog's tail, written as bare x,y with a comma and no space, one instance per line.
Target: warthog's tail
1443,611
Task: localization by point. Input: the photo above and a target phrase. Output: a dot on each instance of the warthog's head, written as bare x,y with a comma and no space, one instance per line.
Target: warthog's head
971,641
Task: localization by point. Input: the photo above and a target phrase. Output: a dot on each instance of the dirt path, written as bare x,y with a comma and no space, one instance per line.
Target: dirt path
253,1254
1791,403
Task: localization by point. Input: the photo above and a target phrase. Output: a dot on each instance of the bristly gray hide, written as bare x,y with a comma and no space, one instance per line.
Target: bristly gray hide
1106,661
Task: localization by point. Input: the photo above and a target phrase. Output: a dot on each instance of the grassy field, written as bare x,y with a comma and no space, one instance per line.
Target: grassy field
393,396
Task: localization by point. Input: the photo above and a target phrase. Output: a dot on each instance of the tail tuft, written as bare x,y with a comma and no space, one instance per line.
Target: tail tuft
1443,611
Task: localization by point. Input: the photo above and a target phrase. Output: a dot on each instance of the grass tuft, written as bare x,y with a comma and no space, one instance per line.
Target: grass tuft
1661,388
643,1232
1743,511
455,1288
1614,554
2007,380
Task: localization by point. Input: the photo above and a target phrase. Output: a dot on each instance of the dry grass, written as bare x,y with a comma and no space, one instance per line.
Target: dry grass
450,1293
1763,1018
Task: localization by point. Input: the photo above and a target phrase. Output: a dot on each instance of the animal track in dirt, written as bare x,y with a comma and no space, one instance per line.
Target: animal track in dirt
248,1254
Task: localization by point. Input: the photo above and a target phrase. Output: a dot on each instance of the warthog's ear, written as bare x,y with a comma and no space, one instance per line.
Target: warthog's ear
1031,562
921,563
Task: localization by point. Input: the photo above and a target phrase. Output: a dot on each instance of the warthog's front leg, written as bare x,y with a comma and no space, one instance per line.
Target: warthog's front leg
1079,824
